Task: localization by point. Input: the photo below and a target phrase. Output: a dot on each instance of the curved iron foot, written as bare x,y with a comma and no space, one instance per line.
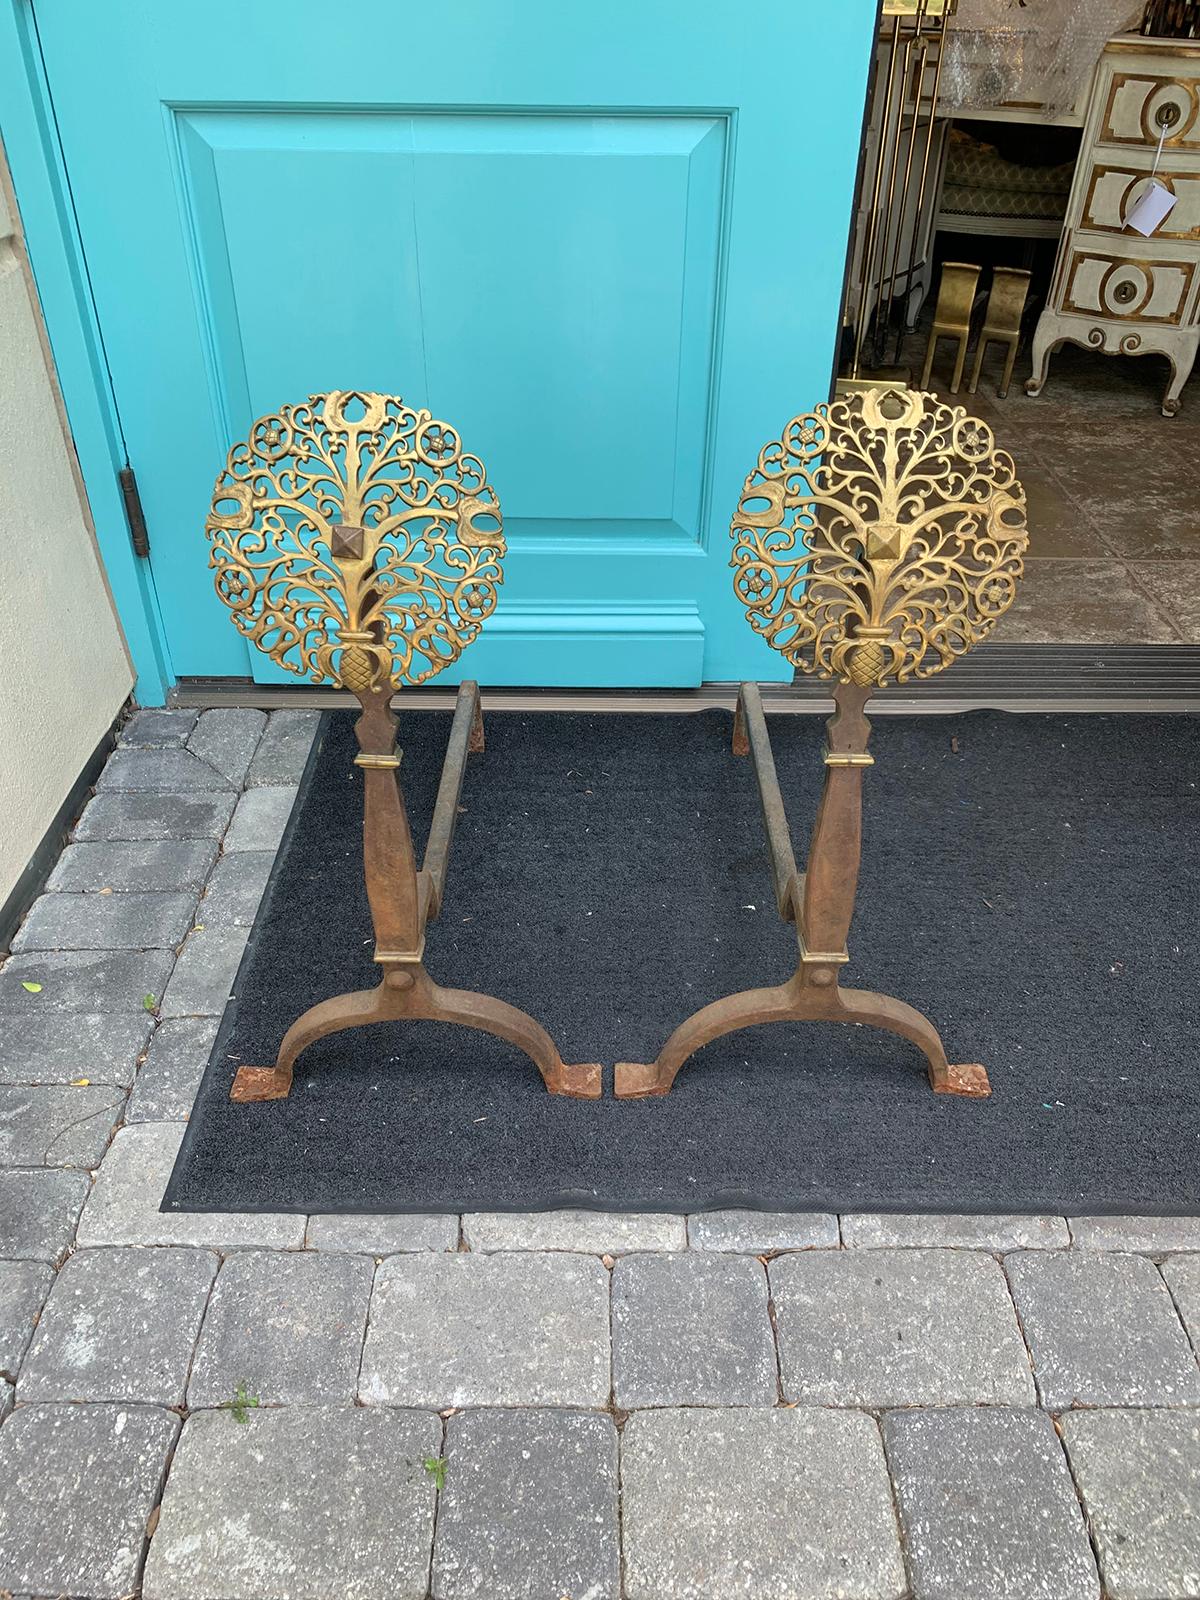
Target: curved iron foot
883,1011
799,1000
635,1080
489,1015
409,992
344,1011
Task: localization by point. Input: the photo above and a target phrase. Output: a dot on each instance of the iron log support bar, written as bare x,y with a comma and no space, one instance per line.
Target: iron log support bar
750,738
466,738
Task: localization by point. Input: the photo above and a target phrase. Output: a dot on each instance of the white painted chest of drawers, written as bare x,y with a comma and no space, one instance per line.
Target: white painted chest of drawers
1112,289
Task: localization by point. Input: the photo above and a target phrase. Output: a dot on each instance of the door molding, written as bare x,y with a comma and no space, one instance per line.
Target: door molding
46,219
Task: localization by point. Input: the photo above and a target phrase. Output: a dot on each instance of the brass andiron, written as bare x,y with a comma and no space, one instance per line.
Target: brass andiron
354,540
877,541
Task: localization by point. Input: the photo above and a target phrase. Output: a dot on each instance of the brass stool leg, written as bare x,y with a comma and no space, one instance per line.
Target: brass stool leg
959,361
1009,359
977,365
929,349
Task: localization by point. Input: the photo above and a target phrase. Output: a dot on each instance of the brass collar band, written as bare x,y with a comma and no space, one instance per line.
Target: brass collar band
399,958
388,762
824,958
834,758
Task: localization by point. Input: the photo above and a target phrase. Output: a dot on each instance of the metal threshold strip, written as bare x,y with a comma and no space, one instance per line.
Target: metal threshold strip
996,677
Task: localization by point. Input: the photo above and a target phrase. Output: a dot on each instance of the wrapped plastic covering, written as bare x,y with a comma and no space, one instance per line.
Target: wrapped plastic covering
1032,52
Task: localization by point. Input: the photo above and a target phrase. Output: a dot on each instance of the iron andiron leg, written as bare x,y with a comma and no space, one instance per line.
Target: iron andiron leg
402,901
820,901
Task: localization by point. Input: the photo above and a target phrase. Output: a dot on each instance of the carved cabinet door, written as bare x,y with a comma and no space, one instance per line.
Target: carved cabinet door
607,242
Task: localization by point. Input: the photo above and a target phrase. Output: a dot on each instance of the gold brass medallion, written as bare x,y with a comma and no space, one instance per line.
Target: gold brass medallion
877,541
355,541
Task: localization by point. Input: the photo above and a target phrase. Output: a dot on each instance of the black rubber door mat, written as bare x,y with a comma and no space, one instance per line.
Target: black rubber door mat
1028,881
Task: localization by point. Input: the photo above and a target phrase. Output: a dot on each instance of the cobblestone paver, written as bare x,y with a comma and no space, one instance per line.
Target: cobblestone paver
498,1330
765,1505
566,1404
529,1507
1139,1475
987,1506
898,1328
692,1330
1102,1331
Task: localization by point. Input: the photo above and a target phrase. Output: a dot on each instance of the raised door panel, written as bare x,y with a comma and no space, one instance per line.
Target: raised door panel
607,243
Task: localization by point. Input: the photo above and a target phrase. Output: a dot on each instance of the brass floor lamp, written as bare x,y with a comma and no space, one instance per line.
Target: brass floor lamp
880,539
355,541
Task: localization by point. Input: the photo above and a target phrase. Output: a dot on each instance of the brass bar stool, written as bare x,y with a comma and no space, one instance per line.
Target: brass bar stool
952,316
880,539
1002,322
356,542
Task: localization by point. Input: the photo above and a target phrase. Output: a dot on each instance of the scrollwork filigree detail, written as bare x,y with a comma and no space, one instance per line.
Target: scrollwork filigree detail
353,538
880,538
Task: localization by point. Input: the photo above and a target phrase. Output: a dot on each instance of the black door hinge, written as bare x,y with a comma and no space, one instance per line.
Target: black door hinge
135,516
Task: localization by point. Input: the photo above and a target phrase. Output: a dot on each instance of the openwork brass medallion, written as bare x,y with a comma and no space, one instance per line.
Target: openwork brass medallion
354,539
880,538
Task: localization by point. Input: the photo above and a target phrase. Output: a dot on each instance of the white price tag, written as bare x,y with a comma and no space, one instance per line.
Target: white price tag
1150,209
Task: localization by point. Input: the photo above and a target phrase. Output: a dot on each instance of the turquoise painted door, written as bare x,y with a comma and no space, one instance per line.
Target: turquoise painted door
607,242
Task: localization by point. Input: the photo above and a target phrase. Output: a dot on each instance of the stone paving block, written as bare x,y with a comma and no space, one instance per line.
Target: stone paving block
871,1231
1102,1331
1149,1235
79,1484
124,866
168,771
757,1505
381,1235
896,1328
988,1507
226,739
259,820
529,1507
105,922
1139,1475
120,1325
1182,1274
55,1125
157,727
167,1080
24,1286
692,1329
759,1233
487,1330
288,1325
83,980
146,815
297,1503
283,750
235,889
123,1205
38,1212
203,977
60,1047
595,1233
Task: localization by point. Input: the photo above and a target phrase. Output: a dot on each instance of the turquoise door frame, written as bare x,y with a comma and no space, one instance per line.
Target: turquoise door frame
651,137
48,224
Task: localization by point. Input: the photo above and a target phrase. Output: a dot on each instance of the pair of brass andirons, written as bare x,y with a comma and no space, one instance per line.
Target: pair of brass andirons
880,538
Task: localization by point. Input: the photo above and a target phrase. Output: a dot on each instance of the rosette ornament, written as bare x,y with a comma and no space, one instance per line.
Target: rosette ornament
355,540
880,538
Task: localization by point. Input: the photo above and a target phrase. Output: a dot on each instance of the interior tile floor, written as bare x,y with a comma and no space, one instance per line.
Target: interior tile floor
1113,490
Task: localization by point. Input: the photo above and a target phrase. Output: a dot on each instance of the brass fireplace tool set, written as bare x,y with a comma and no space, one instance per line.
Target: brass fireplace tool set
353,539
